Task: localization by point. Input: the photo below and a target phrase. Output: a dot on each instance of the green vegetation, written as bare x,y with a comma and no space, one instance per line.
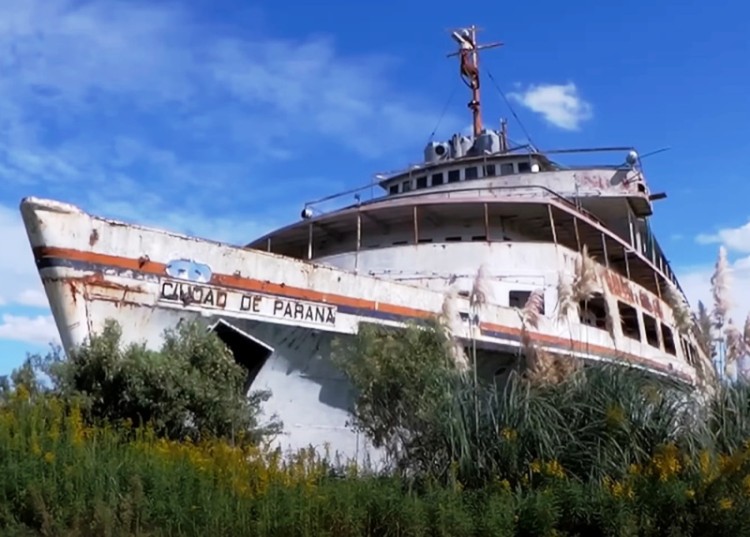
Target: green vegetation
125,441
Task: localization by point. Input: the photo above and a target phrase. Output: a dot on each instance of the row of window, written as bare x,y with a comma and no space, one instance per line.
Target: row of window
454,176
594,313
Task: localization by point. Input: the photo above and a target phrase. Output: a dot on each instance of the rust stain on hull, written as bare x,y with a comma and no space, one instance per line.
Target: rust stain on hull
97,287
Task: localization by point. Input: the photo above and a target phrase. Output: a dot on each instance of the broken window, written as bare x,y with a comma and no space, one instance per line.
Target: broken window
518,299
651,329
249,352
629,321
593,312
393,189
668,337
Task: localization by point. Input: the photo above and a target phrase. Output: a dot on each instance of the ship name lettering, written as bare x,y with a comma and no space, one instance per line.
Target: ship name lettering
193,294
251,303
319,313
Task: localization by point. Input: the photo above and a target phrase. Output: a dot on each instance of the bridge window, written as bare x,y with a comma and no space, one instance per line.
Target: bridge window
652,330
524,167
454,176
489,170
406,186
456,238
421,182
507,169
669,344
593,311
393,189
629,321
471,173
437,179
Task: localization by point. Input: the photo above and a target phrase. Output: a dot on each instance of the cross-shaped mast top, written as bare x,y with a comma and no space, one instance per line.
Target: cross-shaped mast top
469,55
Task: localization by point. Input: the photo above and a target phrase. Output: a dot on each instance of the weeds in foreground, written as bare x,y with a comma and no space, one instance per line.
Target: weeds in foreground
62,477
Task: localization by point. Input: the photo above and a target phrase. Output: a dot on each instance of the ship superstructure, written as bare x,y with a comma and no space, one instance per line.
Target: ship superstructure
575,238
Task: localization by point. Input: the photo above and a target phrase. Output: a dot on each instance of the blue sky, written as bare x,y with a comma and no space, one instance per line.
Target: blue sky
222,118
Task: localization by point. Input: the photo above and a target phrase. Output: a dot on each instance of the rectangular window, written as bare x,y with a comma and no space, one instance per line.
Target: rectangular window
421,182
593,311
454,176
406,186
629,320
524,167
437,179
393,189
669,345
489,170
652,330
471,173
506,169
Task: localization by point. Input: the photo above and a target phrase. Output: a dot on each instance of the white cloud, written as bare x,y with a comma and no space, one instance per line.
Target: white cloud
736,239
38,330
558,104
35,298
244,95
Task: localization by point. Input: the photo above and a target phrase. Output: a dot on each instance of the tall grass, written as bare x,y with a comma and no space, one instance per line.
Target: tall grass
61,477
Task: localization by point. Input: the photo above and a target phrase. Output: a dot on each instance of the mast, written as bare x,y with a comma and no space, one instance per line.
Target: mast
469,55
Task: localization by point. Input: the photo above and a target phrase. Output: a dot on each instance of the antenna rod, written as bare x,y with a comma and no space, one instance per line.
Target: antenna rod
469,54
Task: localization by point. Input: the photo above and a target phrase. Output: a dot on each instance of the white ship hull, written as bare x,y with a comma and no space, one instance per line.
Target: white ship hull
95,269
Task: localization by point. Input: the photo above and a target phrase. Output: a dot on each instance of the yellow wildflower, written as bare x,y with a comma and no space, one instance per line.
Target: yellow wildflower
725,504
508,434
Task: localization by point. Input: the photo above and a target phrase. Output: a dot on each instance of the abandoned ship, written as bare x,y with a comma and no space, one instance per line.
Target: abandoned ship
476,204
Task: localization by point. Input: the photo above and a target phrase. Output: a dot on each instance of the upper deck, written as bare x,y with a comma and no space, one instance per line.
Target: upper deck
483,181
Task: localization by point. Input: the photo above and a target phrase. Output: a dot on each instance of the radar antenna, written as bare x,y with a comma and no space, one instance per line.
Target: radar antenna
469,55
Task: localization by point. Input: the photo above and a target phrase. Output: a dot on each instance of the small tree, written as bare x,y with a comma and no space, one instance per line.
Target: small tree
191,387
